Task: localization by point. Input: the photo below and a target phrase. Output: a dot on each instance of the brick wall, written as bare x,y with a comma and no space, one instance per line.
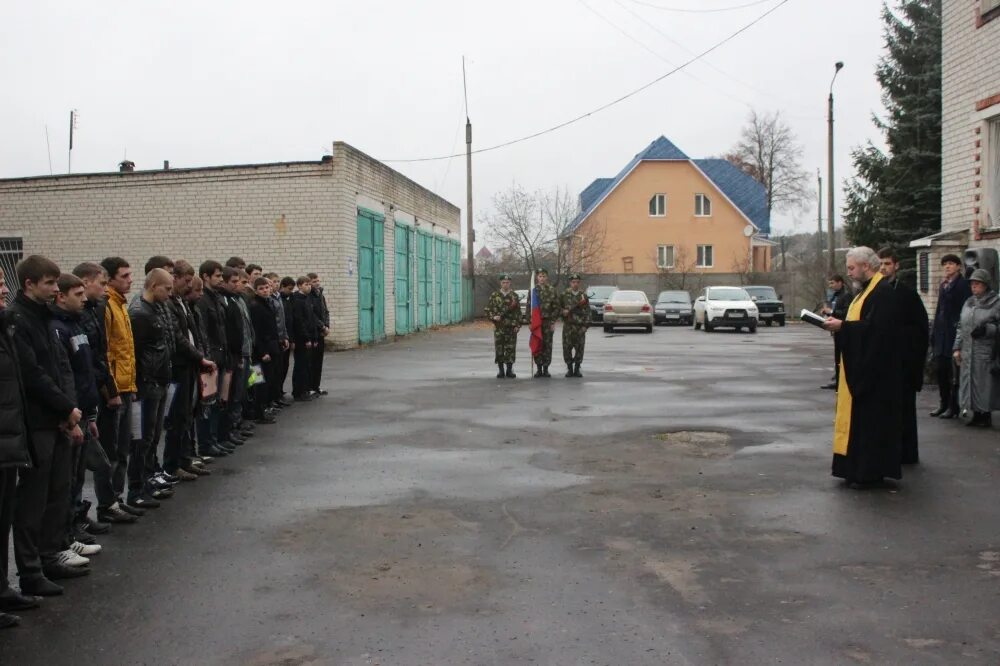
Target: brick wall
970,77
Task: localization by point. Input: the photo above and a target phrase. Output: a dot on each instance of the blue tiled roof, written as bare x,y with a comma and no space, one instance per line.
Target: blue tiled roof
746,193
741,188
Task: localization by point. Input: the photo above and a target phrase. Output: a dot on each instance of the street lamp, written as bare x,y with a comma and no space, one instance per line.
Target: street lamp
829,171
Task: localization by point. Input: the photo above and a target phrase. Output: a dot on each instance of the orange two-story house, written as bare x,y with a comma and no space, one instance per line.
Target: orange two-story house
667,212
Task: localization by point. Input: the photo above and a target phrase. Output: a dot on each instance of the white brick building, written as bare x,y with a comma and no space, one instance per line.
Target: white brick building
970,187
347,217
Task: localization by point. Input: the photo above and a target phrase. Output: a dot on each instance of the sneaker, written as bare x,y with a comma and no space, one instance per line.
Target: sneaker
56,571
93,526
204,458
85,549
184,475
68,558
160,484
7,620
143,502
131,509
214,452
267,420
115,514
198,471
237,439
321,392
162,494
169,479
305,397
79,534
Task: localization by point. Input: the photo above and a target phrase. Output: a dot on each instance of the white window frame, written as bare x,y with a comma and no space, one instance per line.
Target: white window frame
700,258
659,198
988,5
699,205
661,251
989,205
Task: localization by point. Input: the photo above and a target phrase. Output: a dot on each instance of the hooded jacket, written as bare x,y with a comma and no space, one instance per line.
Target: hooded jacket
69,329
121,346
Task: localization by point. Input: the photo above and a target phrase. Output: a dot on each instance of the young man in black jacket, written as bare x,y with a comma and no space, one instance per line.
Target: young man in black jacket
152,358
186,364
266,346
286,290
240,345
322,314
15,453
840,300
305,337
211,311
95,282
43,492
199,463
953,292
277,389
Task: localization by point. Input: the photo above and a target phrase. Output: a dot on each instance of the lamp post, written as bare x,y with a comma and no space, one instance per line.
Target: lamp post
829,171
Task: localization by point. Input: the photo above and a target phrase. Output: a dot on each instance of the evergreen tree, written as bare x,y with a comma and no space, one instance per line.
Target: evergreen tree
895,196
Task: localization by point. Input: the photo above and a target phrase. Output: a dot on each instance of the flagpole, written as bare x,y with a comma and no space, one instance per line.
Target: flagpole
531,293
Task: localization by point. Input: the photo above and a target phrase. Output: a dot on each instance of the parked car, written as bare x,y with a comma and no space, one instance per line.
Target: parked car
628,308
725,306
598,296
673,307
769,304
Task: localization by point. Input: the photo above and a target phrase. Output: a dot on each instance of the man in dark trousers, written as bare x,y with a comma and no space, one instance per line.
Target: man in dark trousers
305,338
322,313
212,312
15,453
866,437
286,291
840,298
952,295
43,492
266,346
913,336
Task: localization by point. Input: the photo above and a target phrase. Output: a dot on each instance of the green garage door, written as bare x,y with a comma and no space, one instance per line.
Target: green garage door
371,276
456,282
404,297
425,277
441,262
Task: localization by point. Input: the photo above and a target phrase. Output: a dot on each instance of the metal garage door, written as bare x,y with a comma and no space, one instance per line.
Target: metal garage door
371,276
404,298
425,277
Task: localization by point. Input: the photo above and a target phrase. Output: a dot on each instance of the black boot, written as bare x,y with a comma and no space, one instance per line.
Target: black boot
979,420
576,370
500,373
940,410
569,370
540,371
510,371
545,371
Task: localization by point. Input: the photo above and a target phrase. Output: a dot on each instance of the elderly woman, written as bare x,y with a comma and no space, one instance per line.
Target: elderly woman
979,390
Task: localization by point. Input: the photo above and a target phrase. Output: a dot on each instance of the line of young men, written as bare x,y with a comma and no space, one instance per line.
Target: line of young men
88,383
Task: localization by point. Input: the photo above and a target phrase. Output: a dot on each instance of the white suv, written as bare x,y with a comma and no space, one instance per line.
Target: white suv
725,306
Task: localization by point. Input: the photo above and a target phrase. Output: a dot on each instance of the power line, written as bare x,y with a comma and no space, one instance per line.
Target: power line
613,102
699,11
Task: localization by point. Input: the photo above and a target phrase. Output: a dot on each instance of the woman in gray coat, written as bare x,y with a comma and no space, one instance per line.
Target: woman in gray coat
979,390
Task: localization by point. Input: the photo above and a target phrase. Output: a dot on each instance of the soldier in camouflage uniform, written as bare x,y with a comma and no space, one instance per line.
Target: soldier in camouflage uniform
504,310
576,316
550,306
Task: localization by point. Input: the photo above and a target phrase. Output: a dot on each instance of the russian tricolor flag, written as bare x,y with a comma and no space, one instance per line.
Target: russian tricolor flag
535,342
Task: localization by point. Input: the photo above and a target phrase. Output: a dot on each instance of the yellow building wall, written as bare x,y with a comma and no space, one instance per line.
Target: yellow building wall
630,231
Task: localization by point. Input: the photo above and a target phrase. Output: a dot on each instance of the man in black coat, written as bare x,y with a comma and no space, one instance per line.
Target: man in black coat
286,292
212,313
266,346
952,295
305,337
840,299
322,314
913,336
866,442
15,453
43,492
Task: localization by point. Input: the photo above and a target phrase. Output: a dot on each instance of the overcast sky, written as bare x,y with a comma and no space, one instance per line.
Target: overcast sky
206,83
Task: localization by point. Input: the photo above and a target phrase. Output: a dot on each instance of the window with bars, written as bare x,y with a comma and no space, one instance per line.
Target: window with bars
665,256
702,206
11,252
658,205
705,258
923,272
991,186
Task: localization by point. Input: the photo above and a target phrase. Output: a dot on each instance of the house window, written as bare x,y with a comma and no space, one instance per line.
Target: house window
705,258
627,265
11,252
988,6
991,186
702,206
665,256
923,267
658,205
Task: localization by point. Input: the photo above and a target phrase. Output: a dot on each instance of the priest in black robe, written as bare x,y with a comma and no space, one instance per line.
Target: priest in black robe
867,445
914,334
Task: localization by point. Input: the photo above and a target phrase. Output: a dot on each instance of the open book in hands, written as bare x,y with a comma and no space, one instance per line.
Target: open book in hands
811,317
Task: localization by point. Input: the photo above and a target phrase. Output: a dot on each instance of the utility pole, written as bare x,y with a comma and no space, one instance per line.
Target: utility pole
831,247
819,219
470,232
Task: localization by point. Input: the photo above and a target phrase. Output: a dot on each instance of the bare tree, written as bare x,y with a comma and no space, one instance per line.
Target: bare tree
534,227
769,152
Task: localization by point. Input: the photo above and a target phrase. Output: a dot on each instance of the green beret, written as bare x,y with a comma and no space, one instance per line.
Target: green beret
504,276
575,276
541,271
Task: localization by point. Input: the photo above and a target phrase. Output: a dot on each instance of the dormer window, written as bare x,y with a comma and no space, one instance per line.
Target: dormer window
658,205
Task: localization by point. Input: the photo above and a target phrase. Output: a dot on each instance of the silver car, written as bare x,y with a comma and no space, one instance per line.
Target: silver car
628,308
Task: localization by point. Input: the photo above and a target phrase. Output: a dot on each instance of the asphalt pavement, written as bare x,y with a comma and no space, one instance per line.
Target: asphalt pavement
673,506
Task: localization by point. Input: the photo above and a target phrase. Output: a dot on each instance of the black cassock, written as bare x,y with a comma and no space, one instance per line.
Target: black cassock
914,338
873,371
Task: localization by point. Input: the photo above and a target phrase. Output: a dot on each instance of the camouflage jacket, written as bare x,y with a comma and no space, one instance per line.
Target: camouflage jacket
506,306
549,302
578,305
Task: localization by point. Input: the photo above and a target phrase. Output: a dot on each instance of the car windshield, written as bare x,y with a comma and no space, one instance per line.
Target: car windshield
674,297
601,293
727,294
629,297
762,293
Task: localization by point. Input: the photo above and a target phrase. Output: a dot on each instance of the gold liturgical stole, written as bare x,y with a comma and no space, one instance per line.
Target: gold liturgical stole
842,422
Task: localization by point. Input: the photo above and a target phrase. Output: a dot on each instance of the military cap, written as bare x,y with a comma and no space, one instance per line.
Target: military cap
504,276
541,271
574,276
